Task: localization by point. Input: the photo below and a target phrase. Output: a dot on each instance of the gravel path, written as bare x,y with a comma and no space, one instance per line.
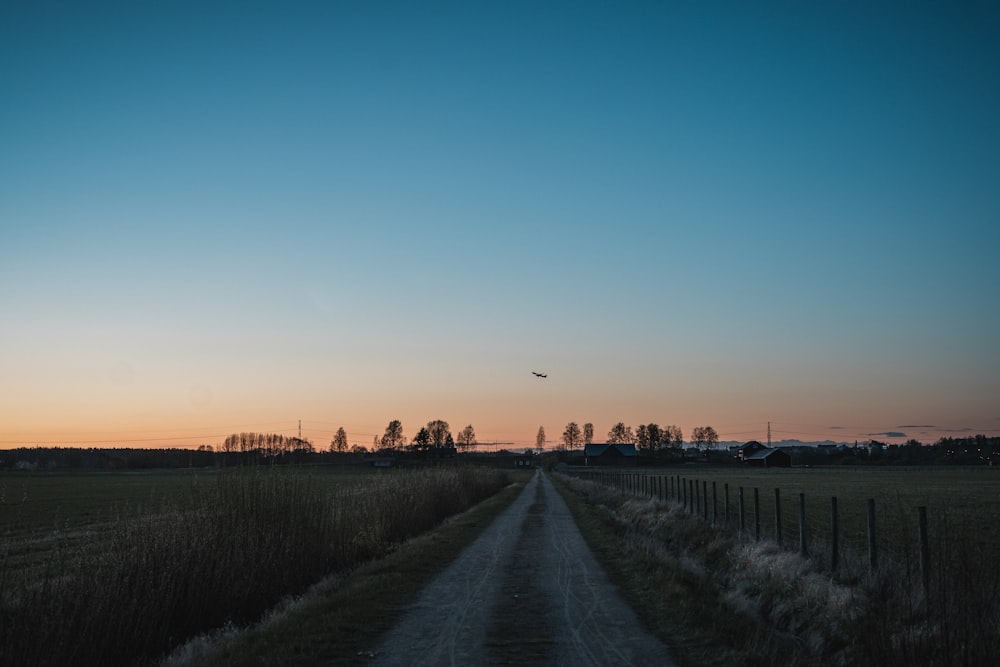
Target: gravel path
527,592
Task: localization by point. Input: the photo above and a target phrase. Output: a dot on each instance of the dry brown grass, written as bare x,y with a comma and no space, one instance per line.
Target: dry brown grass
717,599
249,540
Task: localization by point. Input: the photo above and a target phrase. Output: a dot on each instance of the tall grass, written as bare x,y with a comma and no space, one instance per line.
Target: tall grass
737,599
247,540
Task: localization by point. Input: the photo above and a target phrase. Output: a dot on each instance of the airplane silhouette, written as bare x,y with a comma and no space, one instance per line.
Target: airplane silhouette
540,375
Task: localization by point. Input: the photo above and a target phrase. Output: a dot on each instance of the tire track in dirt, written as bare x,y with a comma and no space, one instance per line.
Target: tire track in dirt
528,591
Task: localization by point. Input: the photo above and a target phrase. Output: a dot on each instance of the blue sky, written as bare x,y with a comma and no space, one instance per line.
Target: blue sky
237,216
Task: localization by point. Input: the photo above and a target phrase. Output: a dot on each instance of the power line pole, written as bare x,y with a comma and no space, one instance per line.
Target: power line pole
768,435
300,432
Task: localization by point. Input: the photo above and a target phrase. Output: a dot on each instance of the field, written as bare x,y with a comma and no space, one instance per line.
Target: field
206,548
955,498
937,606
138,562
44,511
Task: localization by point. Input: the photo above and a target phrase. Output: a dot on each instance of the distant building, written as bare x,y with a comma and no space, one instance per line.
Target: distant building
748,449
603,455
524,461
769,458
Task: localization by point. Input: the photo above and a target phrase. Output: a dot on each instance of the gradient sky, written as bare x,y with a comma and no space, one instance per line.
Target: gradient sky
225,217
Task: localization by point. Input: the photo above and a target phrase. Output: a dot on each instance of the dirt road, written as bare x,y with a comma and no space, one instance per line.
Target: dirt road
527,592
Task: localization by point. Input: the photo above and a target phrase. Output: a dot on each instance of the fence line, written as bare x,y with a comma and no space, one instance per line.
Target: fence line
691,495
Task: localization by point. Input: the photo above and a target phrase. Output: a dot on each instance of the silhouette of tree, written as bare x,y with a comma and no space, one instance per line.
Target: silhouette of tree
339,442
393,438
673,436
704,436
588,433
649,438
440,433
422,440
621,434
467,438
540,439
572,436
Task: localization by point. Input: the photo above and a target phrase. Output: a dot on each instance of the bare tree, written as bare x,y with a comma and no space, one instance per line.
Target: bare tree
656,436
588,433
467,438
393,438
540,439
642,439
621,434
440,433
704,436
673,436
572,437
339,442
422,440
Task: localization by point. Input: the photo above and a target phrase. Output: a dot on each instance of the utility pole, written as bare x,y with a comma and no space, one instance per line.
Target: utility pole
768,435
300,432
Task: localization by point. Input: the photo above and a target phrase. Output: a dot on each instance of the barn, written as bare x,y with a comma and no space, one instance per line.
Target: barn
769,458
749,449
610,455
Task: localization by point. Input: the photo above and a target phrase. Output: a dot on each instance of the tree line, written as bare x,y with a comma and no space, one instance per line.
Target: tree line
649,439
435,435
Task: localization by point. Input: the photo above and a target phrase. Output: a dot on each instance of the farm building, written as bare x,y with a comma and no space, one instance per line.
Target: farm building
748,449
769,458
604,455
524,461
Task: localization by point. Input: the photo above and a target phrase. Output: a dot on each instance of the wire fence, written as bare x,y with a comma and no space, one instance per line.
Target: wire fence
838,536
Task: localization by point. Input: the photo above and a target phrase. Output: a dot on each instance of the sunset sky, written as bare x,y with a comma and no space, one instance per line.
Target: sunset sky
223,217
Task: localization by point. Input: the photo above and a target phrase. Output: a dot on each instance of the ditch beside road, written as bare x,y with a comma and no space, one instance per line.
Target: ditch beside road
528,591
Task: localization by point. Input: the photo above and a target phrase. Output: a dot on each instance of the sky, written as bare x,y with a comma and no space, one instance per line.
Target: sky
226,217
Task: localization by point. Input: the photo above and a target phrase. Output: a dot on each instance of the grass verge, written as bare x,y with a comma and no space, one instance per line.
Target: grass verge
716,599
341,619
675,573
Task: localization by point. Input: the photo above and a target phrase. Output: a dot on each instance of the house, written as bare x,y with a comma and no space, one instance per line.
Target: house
524,461
603,455
752,447
769,458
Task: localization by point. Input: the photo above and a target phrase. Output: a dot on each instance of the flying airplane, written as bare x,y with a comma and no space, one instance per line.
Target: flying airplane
540,375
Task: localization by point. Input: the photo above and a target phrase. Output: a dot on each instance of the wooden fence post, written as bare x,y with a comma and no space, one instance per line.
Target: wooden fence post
834,535
872,544
715,504
725,488
777,517
803,542
756,513
743,514
704,500
925,557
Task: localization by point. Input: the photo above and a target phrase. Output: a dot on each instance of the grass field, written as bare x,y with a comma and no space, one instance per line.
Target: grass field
44,511
33,502
887,615
115,568
966,498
